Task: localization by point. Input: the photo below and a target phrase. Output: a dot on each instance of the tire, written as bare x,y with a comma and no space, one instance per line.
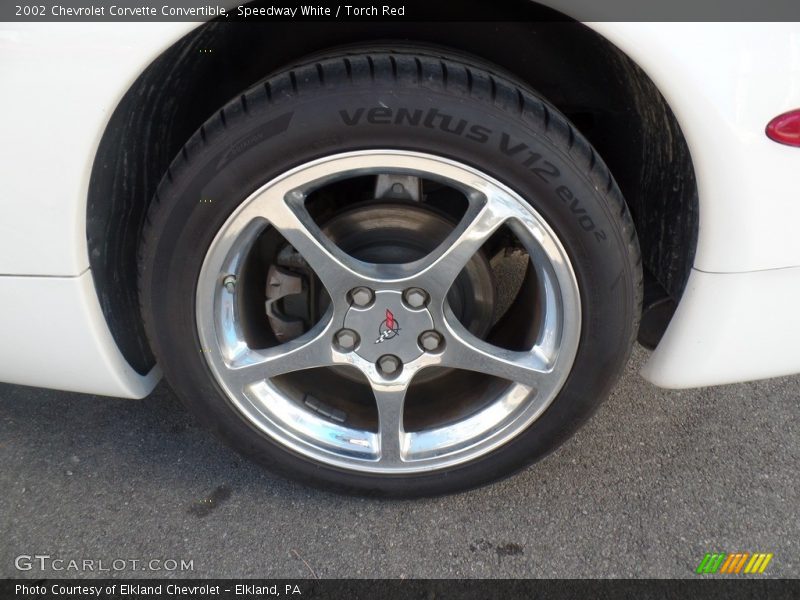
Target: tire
426,107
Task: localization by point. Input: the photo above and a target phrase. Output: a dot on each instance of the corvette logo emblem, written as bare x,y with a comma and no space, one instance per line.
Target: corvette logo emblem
388,328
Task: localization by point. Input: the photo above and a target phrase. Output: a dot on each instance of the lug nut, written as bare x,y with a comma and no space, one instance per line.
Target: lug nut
388,364
229,283
361,296
346,339
430,340
415,297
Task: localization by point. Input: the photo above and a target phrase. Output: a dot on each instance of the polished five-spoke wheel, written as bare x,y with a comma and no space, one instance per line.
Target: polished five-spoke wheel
390,273
389,321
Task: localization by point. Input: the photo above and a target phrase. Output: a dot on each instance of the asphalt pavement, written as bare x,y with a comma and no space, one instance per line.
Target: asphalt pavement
654,481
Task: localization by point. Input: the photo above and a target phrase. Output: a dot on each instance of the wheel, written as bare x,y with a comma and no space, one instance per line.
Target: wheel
390,273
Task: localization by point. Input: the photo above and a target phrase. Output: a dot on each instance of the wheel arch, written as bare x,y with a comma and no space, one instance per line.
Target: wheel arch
608,97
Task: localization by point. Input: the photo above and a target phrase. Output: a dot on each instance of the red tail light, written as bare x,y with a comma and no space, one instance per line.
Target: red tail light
785,128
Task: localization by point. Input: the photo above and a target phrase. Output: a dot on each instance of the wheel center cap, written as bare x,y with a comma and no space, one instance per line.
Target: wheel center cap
388,326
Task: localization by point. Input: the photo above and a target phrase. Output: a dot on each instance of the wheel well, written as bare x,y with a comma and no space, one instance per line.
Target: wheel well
605,94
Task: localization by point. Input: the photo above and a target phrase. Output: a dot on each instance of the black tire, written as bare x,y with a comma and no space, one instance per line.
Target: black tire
311,111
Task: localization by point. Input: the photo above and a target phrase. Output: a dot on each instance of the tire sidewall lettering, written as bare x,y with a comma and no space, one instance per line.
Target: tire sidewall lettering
508,146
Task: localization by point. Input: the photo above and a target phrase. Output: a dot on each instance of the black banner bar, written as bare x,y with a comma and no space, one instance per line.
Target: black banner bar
397,10
733,588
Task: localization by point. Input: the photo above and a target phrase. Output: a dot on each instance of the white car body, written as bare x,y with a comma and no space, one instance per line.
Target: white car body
737,319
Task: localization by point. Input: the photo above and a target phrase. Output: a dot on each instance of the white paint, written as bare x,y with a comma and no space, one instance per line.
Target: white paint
54,336
729,328
725,82
60,84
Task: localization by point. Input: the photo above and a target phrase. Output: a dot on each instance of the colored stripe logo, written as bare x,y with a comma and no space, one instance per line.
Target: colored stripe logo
740,562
